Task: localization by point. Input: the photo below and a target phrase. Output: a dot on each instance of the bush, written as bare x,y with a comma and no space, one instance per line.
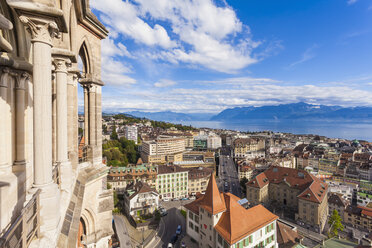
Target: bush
183,212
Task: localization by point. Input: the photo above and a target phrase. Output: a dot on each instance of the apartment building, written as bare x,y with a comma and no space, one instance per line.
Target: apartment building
249,148
358,217
198,180
163,149
296,190
172,182
336,202
245,171
131,133
214,141
140,199
121,177
218,220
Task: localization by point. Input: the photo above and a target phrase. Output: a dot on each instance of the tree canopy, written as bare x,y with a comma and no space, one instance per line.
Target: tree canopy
335,223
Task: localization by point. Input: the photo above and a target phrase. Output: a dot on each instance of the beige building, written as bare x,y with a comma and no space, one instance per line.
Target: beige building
48,198
296,190
163,149
198,180
245,171
249,148
359,217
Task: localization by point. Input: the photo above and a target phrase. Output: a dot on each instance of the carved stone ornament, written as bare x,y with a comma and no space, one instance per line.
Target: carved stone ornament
41,31
61,65
20,80
4,77
5,46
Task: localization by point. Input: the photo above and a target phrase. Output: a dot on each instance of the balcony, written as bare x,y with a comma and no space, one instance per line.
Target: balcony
25,228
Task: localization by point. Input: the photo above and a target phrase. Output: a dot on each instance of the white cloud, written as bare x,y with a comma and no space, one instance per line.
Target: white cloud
215,96
350,2
164,83
114,70
202,33
307,55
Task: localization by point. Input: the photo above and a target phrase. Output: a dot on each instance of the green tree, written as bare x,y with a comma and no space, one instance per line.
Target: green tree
335,223
114,135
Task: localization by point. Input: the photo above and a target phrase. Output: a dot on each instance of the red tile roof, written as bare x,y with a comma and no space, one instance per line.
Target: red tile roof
233,225
212,200
312,188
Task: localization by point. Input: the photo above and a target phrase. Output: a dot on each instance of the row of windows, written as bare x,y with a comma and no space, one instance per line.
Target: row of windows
176,189
172,186
172,175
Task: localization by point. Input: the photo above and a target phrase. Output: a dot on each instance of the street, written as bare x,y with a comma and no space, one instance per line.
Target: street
170,223
121,231
228,174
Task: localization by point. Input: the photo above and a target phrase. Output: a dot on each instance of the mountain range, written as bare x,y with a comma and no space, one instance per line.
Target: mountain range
290,111
299,110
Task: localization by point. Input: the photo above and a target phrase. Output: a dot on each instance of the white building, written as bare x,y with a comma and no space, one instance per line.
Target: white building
130,133
140,199
214,141
172,181
218,220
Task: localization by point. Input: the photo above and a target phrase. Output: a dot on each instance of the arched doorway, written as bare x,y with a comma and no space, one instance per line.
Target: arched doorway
81,234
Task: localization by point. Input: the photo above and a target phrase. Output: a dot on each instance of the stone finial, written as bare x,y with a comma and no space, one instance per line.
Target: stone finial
43,31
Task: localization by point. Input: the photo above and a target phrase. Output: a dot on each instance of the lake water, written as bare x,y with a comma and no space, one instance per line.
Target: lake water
358,129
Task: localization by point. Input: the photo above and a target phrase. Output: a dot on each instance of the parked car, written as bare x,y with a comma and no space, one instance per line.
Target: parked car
179,230
183,245
192,198
166,199
170,245
174,239
184,199
163,212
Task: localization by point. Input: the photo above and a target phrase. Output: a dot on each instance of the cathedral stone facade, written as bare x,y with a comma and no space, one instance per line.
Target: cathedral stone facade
52,190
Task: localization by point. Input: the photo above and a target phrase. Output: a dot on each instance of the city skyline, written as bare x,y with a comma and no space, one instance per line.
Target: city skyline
207,56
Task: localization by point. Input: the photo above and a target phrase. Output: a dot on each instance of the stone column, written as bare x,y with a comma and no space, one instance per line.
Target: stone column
99,122
86,115
61,65
72,118
5,166
61,81
20,87
42,32
92,116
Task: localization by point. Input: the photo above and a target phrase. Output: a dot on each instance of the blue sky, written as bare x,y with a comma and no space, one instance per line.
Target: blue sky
206,56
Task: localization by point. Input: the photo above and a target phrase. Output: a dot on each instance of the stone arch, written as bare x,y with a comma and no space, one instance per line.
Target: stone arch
84,53
89,219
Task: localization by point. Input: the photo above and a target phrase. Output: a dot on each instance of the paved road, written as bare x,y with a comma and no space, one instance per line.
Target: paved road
121,231
228,174
171,221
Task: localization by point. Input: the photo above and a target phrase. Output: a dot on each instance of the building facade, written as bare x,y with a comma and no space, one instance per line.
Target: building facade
131,133
296,190
121,177
249,148
163,149
198,180
48,197
172,182
140,199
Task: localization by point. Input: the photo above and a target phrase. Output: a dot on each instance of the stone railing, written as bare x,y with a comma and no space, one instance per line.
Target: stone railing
25,228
